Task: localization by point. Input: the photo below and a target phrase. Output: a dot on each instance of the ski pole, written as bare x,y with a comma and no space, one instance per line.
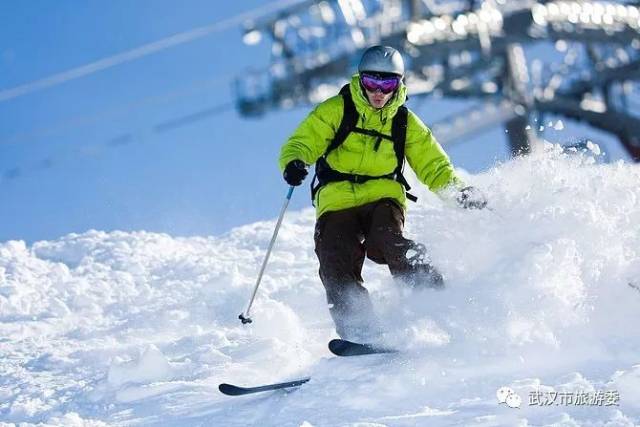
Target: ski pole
244,317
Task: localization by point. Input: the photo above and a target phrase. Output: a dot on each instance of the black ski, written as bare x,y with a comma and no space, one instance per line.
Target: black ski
348,348
234,390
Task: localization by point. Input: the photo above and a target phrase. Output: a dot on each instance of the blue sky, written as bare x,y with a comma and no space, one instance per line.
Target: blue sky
88,153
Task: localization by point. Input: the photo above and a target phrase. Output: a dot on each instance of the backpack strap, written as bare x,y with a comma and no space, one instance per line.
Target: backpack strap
399,136
347,124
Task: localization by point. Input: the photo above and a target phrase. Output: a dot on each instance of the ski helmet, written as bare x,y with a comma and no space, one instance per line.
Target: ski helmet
382,59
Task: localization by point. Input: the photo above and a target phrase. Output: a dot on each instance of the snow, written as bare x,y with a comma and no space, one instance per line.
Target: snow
115,329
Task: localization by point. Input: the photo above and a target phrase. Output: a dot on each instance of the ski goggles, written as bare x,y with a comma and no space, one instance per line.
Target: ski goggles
385,84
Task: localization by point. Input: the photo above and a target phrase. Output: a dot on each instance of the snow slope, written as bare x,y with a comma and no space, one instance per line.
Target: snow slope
139,328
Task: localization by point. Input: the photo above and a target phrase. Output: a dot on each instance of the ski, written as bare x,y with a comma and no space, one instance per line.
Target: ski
234,390
348,348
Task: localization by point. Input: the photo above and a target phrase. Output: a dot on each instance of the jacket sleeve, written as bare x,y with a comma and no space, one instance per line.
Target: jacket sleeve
313,136
427,158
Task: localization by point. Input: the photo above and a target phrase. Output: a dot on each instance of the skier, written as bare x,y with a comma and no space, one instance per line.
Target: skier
358,141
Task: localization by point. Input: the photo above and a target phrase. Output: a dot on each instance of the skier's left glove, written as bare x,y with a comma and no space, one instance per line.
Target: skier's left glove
471,198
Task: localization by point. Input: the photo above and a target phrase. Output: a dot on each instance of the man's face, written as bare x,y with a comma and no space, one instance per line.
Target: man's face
378,99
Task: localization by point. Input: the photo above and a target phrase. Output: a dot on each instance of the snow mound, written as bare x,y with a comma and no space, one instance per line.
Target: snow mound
542,297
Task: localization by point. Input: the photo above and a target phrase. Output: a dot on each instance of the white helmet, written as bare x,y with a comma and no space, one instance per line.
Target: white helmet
382,59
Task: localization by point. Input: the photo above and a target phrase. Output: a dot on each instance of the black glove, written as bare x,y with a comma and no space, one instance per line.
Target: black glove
295,172
471,198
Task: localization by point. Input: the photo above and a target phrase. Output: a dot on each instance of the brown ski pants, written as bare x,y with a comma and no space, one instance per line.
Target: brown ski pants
343,239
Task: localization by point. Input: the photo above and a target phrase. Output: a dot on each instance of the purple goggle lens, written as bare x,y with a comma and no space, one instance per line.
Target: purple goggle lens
385,84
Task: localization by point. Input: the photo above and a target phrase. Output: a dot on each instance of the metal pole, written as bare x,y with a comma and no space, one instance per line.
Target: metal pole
244,317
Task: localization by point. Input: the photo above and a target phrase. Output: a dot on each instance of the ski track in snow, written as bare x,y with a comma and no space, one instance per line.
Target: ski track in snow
101,329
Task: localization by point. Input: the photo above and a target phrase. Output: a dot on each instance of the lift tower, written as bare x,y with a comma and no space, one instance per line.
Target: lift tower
488,51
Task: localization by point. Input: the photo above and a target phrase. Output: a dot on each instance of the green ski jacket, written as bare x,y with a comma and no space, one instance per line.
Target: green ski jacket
356,155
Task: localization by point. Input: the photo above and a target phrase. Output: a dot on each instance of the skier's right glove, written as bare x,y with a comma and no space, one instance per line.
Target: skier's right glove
471,198
295,172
